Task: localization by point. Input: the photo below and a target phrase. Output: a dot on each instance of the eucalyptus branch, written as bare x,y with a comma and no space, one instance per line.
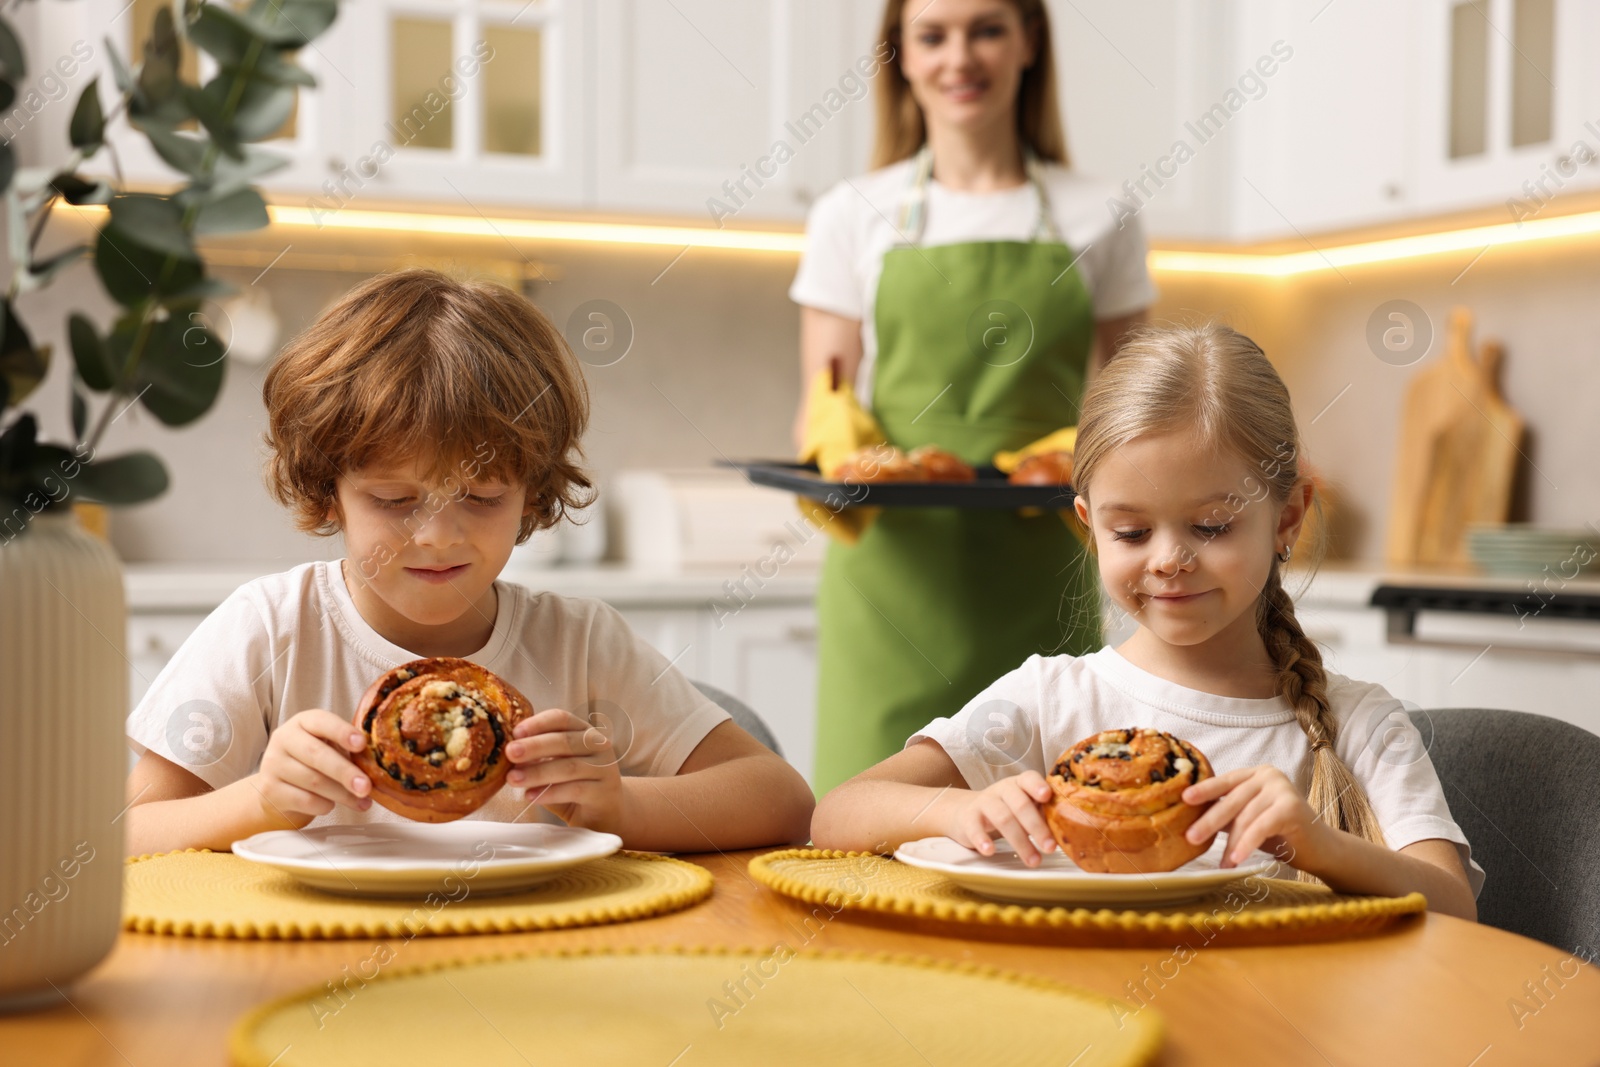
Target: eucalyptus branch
169,264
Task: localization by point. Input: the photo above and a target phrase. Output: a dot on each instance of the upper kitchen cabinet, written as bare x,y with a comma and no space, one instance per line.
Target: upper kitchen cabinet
1259,120
1510,102
461,102
729,111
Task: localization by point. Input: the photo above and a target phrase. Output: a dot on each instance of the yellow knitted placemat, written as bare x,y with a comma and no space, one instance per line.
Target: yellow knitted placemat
217,894
697,1006
863,881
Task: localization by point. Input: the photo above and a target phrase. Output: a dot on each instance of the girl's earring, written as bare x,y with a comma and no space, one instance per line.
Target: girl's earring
1287,551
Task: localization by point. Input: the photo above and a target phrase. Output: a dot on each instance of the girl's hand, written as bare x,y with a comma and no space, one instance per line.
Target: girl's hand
570,767
1009,808
306,770
1259,808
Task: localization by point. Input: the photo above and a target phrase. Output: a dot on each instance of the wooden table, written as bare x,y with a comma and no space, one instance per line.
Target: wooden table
1435,990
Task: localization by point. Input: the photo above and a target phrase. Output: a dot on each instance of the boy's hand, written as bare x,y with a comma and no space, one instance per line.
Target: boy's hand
1009,808
306,770
570,767
1259,808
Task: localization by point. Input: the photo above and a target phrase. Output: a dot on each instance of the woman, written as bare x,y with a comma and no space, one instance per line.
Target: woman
962,285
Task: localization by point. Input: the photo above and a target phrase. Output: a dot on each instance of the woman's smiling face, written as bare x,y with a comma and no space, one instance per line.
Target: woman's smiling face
964,59
1186,536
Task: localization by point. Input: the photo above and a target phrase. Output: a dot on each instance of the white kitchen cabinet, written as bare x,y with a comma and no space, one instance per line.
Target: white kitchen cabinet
1508,102
463,102
678,633
728,111
1328,143
766,655
152,641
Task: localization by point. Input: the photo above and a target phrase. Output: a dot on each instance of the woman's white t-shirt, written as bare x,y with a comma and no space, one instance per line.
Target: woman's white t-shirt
287,642
853,224
1026,719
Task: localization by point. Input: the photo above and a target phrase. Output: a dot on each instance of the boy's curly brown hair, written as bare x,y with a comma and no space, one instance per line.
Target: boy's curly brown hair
465,378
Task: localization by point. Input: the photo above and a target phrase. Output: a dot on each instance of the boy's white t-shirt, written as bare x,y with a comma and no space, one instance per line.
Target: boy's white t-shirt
852,225
291,641
1026,719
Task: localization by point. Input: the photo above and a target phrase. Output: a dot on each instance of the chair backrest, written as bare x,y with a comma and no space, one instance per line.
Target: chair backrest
1519,787
743,714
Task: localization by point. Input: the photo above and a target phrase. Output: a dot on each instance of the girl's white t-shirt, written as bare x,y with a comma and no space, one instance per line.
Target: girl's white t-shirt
1026,719
291,641
852,225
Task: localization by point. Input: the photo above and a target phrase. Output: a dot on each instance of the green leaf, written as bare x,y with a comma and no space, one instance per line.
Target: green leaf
276,68
158,75
130,478
179,151
13,63
90,356
153,221
236,212
76,190
88,127
208,108
8,95
183,366
205,289
119,69
80,414
22,365
19,450
230,175
260,110
291,23
133,273
8,167
223,34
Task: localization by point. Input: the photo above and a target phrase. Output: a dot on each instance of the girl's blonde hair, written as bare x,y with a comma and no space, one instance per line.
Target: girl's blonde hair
1217,383
901,131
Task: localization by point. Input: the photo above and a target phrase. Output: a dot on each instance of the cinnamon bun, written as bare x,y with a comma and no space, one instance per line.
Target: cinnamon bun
436,732
1118,804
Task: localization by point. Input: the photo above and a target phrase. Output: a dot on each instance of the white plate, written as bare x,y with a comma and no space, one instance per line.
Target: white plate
415,859
1057,880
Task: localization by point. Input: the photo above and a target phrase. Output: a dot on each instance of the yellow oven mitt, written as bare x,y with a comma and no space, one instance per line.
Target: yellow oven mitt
1063,440
836,426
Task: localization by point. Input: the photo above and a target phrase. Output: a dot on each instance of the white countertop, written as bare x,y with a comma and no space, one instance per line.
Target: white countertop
180,587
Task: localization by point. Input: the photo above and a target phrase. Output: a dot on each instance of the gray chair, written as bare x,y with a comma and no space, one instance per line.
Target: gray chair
743,714
1520,788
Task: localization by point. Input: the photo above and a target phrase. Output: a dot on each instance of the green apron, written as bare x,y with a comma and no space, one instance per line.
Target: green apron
982,346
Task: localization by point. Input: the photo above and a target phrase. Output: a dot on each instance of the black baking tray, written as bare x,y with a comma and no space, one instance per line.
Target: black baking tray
990,490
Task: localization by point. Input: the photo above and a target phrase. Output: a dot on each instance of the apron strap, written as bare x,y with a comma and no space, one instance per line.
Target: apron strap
914,205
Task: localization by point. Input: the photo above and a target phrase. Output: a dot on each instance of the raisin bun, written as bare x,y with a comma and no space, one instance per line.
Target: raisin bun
941,466
436,732
878,463
1118,806
1046,468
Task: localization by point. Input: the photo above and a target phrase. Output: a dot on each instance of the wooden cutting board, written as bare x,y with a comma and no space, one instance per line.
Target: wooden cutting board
1457,454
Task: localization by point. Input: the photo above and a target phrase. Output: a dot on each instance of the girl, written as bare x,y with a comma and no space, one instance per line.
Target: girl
1188,478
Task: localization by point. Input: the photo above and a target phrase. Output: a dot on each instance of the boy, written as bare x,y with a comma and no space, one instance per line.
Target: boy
434,423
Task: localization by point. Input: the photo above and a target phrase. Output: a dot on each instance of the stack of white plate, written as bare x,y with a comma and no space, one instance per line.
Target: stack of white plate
1517,548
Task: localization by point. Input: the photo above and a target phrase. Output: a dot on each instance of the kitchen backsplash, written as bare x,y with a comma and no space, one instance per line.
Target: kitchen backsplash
711,372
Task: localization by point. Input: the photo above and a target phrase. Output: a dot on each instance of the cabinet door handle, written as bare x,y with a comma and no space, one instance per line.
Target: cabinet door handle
800,632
